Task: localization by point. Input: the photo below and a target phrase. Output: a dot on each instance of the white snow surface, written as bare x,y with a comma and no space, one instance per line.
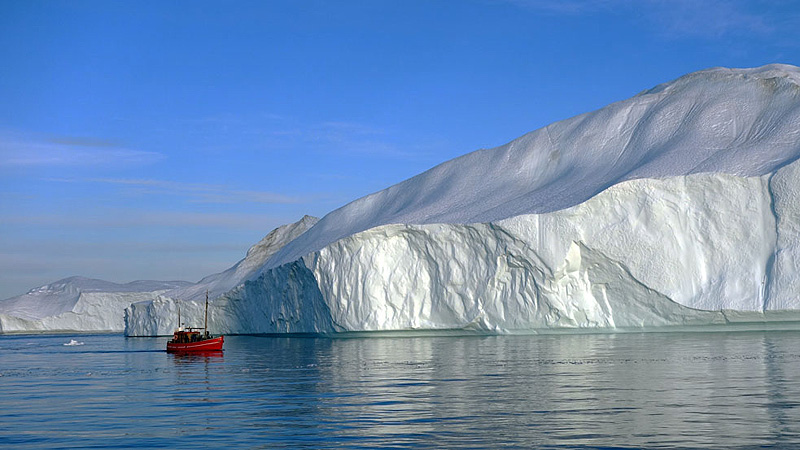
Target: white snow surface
737,121
677,207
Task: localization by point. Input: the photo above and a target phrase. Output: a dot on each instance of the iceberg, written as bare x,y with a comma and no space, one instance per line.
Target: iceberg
77,304
676,207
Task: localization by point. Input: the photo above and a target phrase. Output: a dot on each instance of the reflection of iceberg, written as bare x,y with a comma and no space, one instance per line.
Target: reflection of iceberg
575,391
566,391
677,207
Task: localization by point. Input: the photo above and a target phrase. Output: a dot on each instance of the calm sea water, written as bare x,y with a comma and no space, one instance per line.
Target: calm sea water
654,390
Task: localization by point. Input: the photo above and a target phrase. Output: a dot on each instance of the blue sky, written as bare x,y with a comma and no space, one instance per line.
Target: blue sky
160,139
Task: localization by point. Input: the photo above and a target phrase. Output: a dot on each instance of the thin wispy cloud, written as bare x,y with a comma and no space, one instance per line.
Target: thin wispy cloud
350,128
276,132
82,141
358,139
708,18
134,218
59,247
194,192
25,151
675,19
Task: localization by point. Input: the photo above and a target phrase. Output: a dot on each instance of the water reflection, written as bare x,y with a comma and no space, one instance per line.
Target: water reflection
648,390
687,390
196,357
781,394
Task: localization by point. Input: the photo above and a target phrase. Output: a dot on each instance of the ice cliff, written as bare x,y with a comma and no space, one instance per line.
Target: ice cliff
676,207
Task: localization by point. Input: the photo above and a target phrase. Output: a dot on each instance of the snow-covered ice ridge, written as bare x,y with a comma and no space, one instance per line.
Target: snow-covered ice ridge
676,207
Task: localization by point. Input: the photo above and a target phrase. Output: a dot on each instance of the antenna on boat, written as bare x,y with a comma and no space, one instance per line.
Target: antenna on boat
205,321
179,316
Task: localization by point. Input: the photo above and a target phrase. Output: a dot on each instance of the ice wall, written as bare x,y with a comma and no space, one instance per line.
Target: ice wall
275,302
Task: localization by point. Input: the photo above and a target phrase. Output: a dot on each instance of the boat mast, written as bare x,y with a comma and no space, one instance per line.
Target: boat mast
179,316
205,321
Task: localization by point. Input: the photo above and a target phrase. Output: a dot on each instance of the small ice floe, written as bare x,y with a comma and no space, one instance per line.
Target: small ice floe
73,342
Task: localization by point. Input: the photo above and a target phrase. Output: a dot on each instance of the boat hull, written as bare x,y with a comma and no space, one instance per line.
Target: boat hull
207,345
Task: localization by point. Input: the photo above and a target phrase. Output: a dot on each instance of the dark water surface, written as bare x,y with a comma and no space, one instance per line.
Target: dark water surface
654,390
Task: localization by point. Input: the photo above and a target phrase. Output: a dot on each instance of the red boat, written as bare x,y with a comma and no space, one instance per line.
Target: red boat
191,340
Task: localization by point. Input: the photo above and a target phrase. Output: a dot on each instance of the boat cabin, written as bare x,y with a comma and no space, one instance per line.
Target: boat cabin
185,336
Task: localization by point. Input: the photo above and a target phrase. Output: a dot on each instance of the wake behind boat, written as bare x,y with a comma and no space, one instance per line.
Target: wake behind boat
191,340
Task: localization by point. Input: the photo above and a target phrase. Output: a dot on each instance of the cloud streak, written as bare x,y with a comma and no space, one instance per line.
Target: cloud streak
570,7
273,132
24,151
710,19
194,192
130,218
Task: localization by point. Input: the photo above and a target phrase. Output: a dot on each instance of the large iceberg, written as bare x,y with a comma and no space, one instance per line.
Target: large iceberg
677,207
